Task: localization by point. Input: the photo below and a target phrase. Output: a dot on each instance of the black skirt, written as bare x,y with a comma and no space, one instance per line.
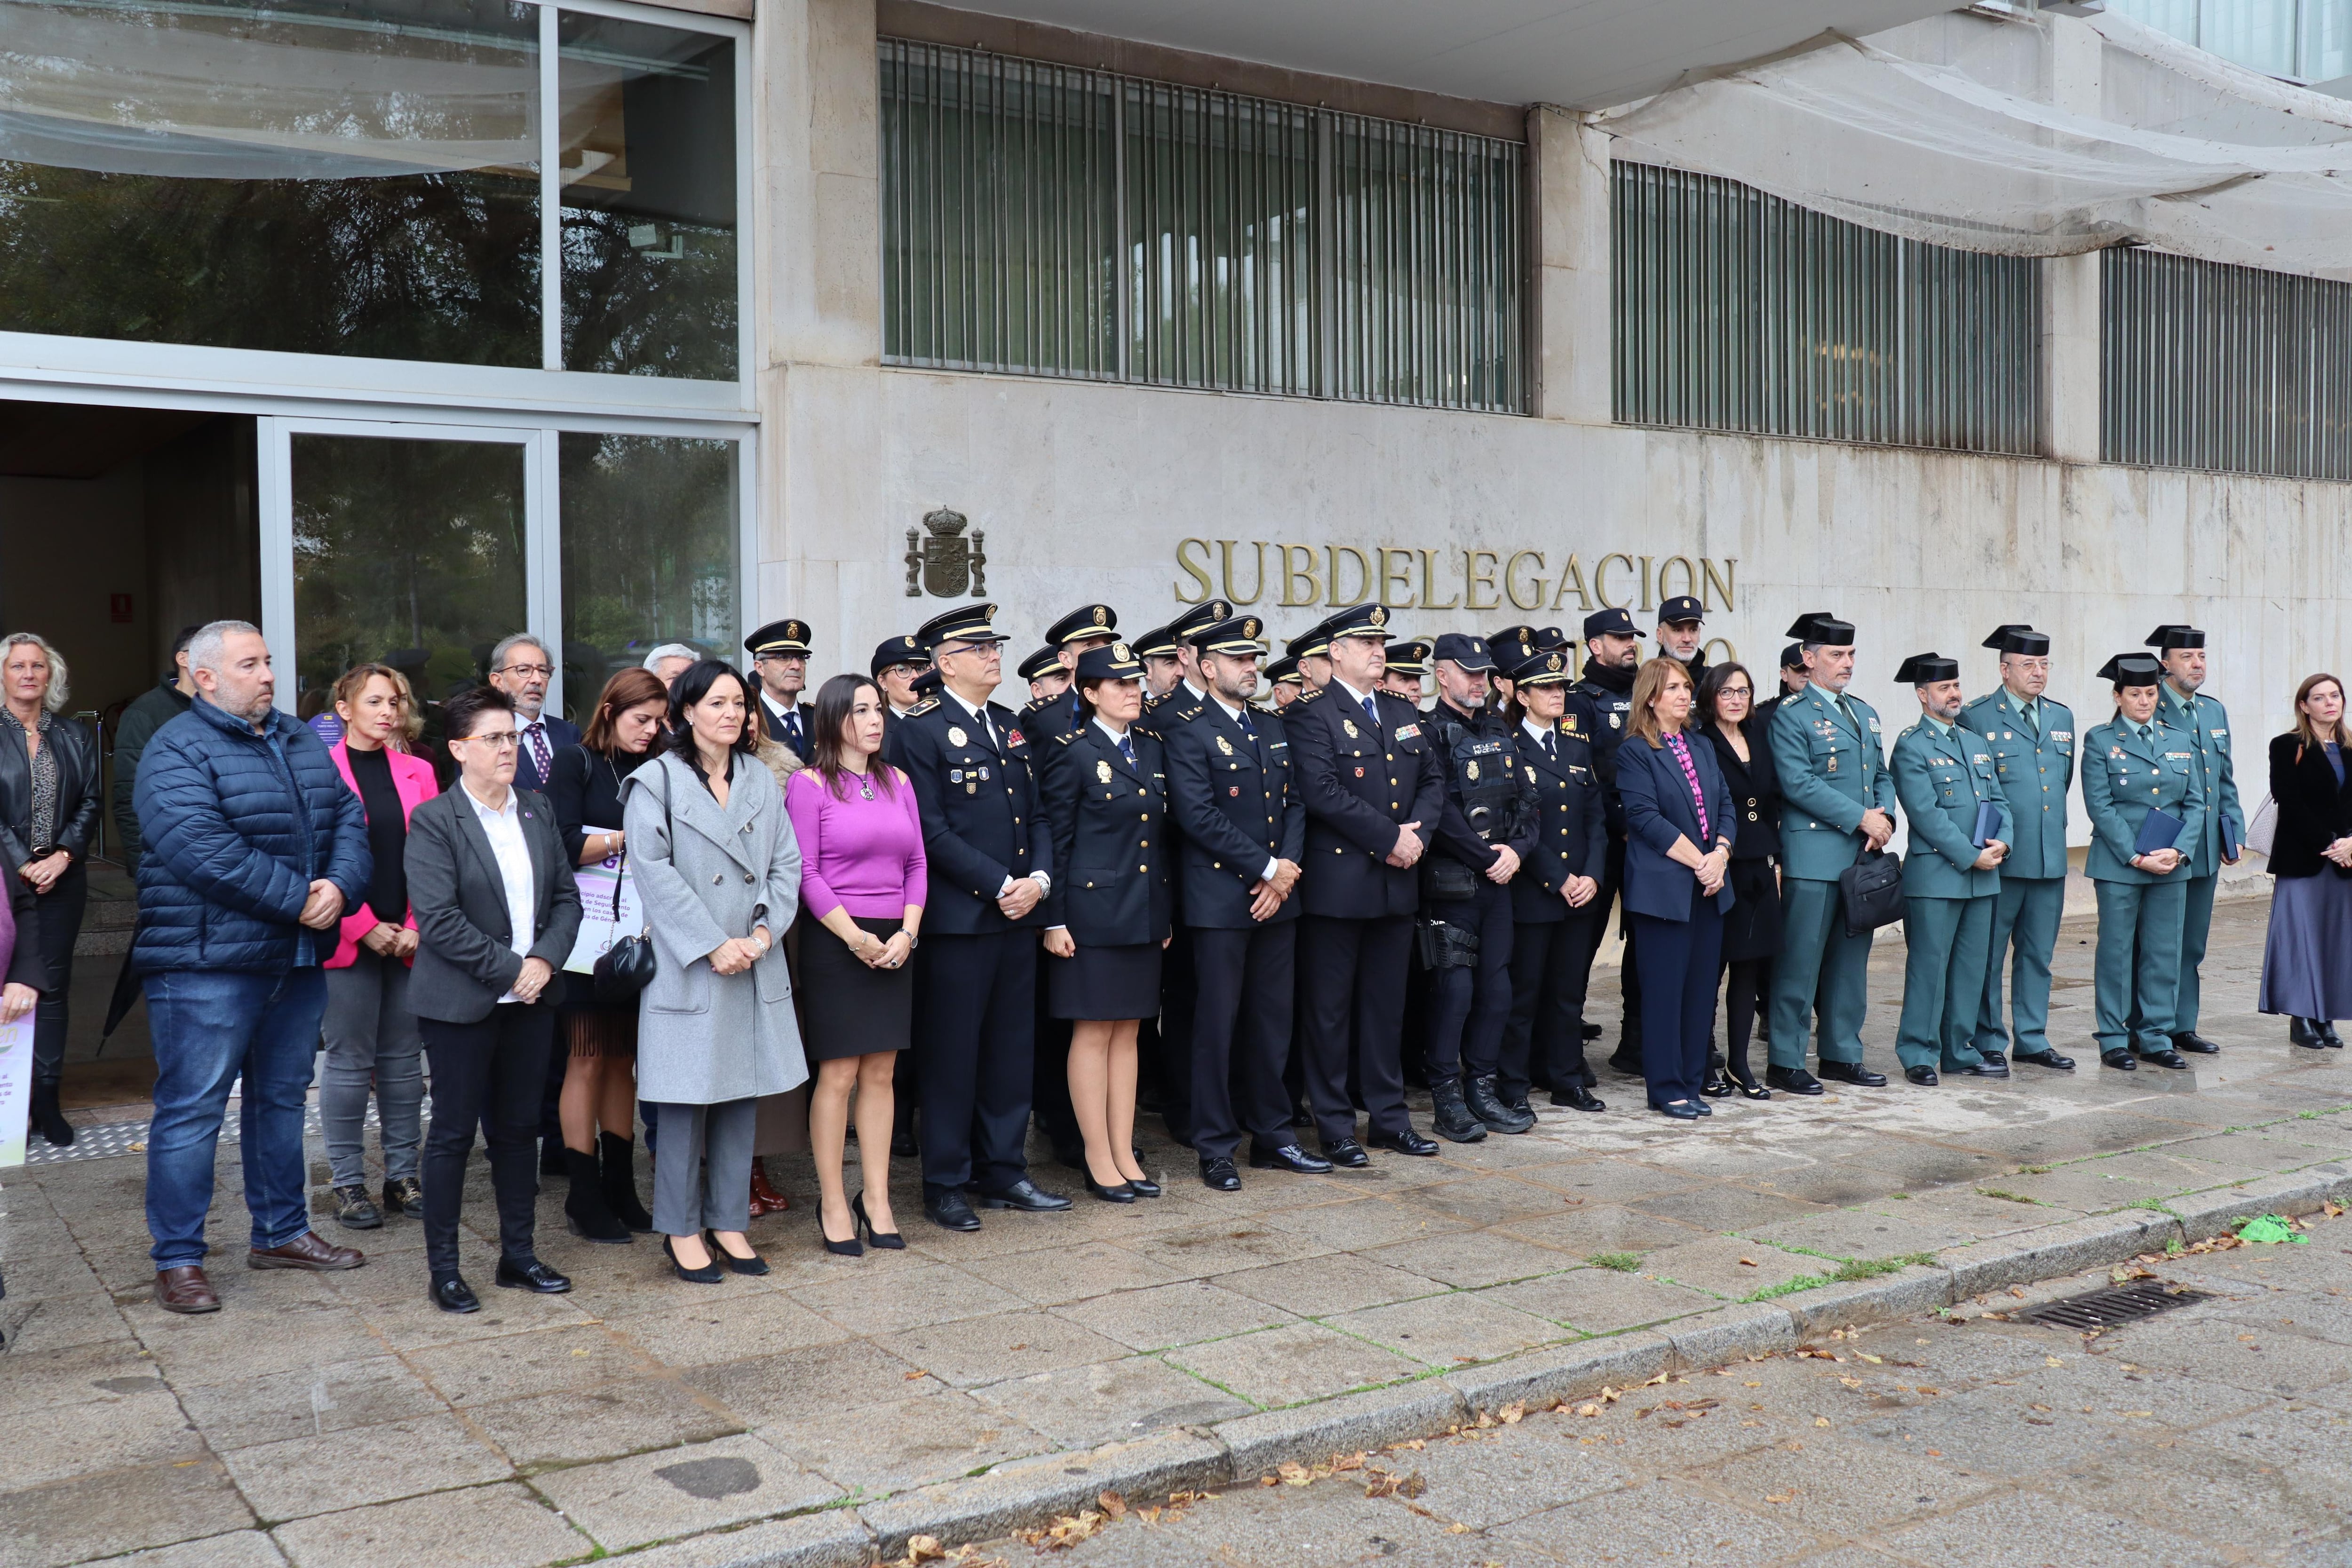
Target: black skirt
1104,983
848,1008
1752,929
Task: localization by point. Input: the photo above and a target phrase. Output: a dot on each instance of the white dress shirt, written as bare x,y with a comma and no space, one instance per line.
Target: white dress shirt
504,828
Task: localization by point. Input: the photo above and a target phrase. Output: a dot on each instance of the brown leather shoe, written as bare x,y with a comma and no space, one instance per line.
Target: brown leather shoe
765,1199
308,1250
185,1290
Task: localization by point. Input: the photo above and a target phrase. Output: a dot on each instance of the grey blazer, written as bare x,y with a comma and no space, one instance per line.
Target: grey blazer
464,944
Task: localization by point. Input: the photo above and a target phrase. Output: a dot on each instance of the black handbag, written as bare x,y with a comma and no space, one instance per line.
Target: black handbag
1871,891
626,966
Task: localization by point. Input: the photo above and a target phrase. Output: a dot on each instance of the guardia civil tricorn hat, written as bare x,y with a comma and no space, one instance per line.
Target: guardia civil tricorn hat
1822,627
2017,638
1927,669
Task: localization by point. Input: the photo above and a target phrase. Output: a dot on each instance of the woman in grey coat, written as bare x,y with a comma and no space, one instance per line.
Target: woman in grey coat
719,873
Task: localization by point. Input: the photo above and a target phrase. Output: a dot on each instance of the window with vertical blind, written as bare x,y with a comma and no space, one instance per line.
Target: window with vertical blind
1737,310
1053,221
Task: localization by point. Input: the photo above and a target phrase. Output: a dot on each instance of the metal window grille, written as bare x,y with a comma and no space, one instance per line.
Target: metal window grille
1738,310
1072,223
2230,369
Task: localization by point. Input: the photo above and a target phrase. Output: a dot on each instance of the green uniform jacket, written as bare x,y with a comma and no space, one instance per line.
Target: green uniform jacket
2123,776
2209,723
1830,773
1941,777
2035,774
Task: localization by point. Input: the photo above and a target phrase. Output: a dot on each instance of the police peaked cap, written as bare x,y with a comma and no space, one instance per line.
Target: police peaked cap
1360,620
1206,613
1409,658
2018,639
1792,657
1044,660
1112,662
2169,636
787,636
903,650
1086,620
1159,642
1543,667
1285,672
1681,607
1822,627
1927,669
966,623
1315,642
1470,653
927,683
2132,670
1237,637
1610,623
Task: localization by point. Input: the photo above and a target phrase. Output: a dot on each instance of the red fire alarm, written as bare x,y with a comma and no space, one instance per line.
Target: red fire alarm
117,606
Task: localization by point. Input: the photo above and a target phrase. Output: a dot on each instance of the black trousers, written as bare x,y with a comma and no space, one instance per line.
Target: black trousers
1681,957
1469,1006
487,1074
1179,1008
1748,982
1352,973
1628,976
974,1035
52,931
1241,1036
1049,1080
1552,961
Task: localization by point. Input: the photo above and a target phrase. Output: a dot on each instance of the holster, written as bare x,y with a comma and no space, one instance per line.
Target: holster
1443,945
1445,880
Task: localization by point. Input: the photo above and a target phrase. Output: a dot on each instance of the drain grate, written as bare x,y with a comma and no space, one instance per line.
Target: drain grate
2105,1309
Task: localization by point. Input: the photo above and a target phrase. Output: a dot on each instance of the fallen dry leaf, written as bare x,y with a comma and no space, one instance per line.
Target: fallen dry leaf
1750,1263
1821,1420
1112,1504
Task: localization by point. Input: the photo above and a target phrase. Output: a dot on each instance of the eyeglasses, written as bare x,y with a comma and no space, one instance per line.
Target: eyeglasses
504,740
527,671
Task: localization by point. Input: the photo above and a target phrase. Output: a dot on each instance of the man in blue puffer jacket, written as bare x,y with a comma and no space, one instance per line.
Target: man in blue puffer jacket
254,847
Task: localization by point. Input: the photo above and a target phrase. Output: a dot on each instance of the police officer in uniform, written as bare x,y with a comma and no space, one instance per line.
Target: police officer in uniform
1043,721
780,655
1310,654
1485,830
2032,744
1601,703
1837,801
1407,670
1230,785
1682,633
2182,705
2134,765
1162,667
991,868
1049,682
1284,681
1556,910
1373,791
1087,626
1792,681
1944,778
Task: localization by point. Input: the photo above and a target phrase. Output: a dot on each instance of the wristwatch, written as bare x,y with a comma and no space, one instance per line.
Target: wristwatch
913,941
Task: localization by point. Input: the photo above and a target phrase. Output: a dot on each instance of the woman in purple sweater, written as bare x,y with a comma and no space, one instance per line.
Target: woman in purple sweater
862,879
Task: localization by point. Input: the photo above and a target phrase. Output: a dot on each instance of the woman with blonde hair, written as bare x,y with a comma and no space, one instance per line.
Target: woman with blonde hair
370,1036
2307,953
48,809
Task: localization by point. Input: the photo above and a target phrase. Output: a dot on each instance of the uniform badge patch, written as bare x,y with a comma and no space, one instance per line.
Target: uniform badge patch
1360,773
955,775
1013,737
1613,721
1470,770
1531,775
1225,745
1409,732
1102,771
956,737
1350,726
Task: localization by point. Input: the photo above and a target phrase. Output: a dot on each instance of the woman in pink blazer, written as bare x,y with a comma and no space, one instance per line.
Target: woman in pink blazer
370,1036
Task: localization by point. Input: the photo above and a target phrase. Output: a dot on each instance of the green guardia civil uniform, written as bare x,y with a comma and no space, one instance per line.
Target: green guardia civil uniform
2128,770
1942,775
2206,724
2033,745
1827,750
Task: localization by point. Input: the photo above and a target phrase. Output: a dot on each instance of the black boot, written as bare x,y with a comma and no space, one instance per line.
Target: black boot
1456,1124
1488,1105
47,1119
617,1163
2299,1032
586,1213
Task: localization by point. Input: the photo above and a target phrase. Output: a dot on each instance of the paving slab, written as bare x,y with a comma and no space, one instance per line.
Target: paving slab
503,1526
684,1490
1286,1365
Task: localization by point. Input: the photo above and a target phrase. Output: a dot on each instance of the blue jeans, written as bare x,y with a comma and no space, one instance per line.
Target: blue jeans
209,1026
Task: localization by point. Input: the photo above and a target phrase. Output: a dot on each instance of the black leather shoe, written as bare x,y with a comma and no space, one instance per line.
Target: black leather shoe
1027,1196
1300,1116
710,1273
534,1276
2118,1059
1854,1072
1488,1107
1626,1060
1346,1154
2197,1044
1117,1192
946,1206
750,1263
2301,1032
1144,1188
1577,1097
1981,1070
455,1296
2172,1059
1924,1077
1994,1058
904,1147
1751,1090
1718,1085
2049,1059
1219,1175
1792,1080
2333,1040
1405,1143
1289,1157
1680,1110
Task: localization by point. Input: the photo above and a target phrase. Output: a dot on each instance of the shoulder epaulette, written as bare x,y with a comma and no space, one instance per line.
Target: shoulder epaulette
920,708
1308,697
1066,739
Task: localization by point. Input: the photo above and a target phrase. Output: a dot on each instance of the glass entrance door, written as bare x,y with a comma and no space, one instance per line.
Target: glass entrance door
417,546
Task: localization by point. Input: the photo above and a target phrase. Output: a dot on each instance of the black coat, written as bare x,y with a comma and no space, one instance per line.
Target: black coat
1755,793
2313,811
1237,806
1109,820
77,757
1361,783
1570,838
980,811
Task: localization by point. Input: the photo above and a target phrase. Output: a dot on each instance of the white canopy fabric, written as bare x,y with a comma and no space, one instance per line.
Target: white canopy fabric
1945,131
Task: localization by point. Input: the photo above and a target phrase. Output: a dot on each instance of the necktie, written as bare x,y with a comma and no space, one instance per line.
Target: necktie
1127,749
1372,710
1844,707
537,732
791,726
1551,745
1251,730
2032,720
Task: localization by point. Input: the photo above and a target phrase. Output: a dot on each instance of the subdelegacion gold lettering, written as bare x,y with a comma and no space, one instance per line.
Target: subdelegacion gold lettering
1257,589
1707,593
1199,574
1646,603
1363,573
1392,574
1572,575
1474,578
1690,577
1293,574
1429,583
1600,578
1533,600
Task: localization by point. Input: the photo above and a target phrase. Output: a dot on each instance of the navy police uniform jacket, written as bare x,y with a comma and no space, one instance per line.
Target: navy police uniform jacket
1480,766
1054,718
980,811
1237,804
1570,838
1361,781
1600,714
1108,819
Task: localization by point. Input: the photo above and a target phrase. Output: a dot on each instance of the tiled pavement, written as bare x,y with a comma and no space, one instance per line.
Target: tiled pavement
341,1419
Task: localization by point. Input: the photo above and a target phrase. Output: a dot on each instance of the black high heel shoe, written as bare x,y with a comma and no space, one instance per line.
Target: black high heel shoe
1718,1085
708,1274
2300,1031
887,1240
1120,1193
1751,1090
853,1248
1142,1188
754,1265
